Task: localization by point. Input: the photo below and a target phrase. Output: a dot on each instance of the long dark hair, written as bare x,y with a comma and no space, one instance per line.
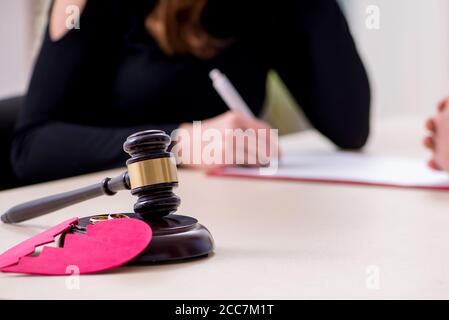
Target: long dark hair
176,26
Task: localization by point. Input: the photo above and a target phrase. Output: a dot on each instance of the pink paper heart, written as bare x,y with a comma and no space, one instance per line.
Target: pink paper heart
105,246
13,255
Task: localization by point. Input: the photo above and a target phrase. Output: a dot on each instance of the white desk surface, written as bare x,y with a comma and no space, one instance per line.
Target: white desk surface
273,239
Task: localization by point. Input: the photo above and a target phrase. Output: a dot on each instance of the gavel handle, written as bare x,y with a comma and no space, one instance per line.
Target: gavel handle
39,207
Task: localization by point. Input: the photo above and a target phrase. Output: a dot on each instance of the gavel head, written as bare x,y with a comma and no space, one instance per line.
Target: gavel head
152,173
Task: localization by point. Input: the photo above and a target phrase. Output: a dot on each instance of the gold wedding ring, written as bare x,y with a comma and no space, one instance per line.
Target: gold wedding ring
97,219
118,216
102,218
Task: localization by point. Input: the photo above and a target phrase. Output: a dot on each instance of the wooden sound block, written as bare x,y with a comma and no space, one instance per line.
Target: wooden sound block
175,238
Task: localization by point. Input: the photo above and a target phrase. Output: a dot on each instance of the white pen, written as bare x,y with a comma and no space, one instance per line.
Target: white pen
229,93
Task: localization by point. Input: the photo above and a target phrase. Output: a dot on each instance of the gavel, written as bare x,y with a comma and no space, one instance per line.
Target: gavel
151,176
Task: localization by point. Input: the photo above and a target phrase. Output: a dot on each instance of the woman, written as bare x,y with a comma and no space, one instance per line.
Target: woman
144,64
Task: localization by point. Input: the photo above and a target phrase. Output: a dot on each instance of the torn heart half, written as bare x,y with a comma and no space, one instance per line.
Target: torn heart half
105,246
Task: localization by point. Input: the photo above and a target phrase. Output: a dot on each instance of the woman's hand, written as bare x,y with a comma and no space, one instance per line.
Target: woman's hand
217,142
438,140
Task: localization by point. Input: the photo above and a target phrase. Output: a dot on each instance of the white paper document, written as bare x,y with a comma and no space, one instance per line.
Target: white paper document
351,167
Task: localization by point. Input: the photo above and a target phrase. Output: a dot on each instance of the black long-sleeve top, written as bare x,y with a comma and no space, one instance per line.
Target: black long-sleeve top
109,79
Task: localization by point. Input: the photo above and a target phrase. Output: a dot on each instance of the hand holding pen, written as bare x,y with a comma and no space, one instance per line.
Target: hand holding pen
238,120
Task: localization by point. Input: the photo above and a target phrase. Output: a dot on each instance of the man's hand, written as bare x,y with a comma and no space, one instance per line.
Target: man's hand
438,139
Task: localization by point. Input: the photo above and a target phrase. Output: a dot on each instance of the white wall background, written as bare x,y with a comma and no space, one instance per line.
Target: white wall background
407,58
14,46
